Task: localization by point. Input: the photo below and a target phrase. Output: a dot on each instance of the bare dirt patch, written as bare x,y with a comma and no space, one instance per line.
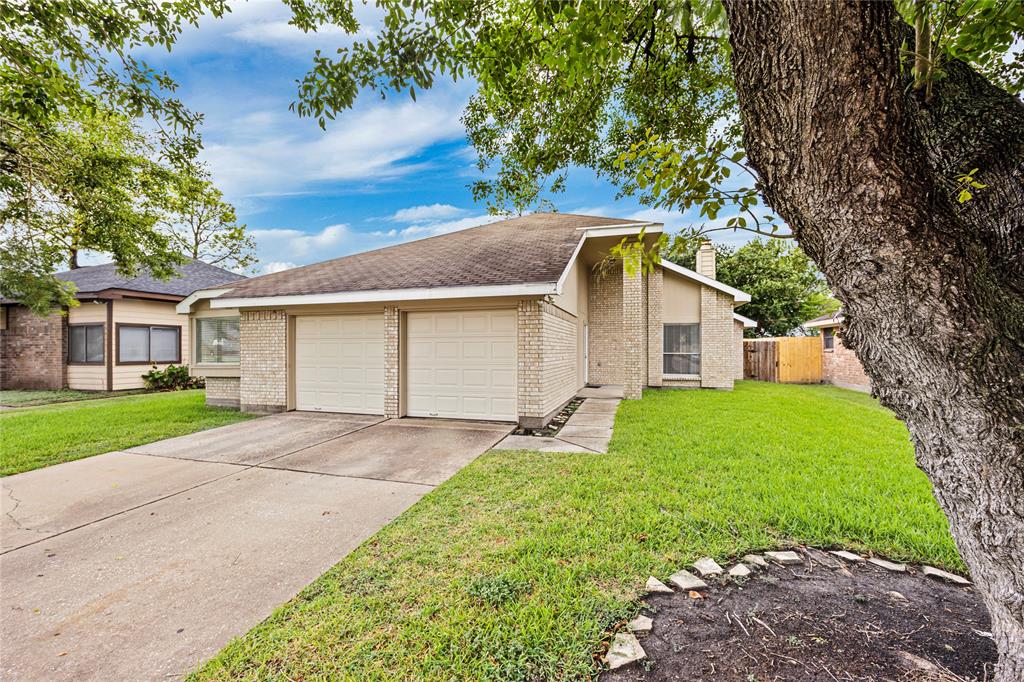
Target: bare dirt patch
823,620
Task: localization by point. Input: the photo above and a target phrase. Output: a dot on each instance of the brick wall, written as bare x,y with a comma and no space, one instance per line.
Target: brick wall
605,331
634,336
546,340
841,367
223,391
655,327
264,361
33,351
392,355
717,343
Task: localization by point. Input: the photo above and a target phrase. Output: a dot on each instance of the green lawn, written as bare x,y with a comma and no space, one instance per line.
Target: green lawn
29,398
60,433
515,568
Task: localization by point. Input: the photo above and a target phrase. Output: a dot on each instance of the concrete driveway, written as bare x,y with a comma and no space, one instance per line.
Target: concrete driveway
138,565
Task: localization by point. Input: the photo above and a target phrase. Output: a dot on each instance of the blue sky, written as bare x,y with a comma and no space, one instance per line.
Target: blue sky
384,172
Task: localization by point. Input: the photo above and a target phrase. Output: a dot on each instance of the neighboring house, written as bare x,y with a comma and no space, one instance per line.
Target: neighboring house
506,321
119,330
839,364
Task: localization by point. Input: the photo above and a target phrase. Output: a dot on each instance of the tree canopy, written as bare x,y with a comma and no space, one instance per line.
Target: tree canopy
785,288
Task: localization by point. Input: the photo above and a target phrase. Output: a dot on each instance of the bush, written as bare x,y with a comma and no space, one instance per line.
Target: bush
173,378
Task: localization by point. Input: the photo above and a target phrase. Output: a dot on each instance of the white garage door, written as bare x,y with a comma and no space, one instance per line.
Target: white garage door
462,364
339,363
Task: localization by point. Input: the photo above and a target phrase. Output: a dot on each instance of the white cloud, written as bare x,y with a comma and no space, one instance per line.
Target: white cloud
426,213
276,266
273,152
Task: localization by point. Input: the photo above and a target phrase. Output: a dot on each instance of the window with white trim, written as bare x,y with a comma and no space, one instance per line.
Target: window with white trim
141,344
681,349
217,341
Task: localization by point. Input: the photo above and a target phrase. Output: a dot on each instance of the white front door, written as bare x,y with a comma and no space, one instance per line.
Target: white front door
461,364
339,363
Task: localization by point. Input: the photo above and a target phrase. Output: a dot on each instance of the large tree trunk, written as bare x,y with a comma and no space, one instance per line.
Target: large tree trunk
864,171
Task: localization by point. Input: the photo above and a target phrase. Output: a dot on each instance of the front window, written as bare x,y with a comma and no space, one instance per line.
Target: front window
85,344
681,349
217,340
138,344
828,338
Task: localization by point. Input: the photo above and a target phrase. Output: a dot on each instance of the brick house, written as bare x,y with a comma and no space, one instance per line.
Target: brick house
119,330
839,364
505,321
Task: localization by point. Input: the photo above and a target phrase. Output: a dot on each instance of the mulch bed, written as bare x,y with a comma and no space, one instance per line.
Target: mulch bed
824,620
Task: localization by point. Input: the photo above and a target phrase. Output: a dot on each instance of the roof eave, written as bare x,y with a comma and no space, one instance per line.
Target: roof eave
383,295
737,295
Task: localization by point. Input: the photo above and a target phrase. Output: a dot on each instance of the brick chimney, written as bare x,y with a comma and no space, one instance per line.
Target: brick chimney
706,259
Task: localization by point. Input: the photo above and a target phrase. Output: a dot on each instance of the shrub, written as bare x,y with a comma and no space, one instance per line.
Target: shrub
173,378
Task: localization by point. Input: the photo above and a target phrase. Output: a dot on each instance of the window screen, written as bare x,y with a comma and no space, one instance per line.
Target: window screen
159,345
217,340
681,349
85,343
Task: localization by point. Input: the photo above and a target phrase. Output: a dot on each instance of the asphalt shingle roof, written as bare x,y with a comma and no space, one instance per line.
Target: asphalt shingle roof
193,276
531,249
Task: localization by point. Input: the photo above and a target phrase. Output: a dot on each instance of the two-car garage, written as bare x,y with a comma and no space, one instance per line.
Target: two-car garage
455,364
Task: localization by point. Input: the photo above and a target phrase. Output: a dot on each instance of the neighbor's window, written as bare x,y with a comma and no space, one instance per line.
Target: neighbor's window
682,349
85,343
217,340
139,344
828,338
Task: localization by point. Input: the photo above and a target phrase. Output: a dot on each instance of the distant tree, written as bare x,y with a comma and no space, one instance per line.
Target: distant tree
102,192
785,287
202,226
70,92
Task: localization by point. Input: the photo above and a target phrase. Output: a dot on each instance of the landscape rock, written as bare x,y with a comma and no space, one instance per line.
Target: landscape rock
707,566
640,625
685,580
625,649
896,596
888,565
786,558
755,560
655,585
739,571
848,556
933,572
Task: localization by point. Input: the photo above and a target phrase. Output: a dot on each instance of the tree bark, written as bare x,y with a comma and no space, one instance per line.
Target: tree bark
864,171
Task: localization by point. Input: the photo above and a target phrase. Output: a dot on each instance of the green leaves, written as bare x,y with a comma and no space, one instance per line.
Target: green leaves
965,183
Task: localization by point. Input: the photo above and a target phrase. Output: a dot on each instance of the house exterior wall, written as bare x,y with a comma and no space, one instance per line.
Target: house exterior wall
655,326
392,364
33,350
738,352
156,313
89,377
223,392
634,332
717,341
841,367
546,360
605,307
264,361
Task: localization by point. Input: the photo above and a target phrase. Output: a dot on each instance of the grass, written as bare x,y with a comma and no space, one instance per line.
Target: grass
517,567
60,433
31,398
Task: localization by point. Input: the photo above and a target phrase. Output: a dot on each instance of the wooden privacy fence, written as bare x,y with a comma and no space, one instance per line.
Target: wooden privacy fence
787,360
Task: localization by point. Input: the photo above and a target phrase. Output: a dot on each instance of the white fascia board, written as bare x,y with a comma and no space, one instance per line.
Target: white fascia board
738,296
747,322
604,231
832,322
382,295
184,307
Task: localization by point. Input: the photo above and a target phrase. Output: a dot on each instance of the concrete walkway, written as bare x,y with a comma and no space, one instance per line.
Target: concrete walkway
139,565
589,429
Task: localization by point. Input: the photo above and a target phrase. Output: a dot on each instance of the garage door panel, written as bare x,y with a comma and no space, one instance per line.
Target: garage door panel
461,364
339,363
